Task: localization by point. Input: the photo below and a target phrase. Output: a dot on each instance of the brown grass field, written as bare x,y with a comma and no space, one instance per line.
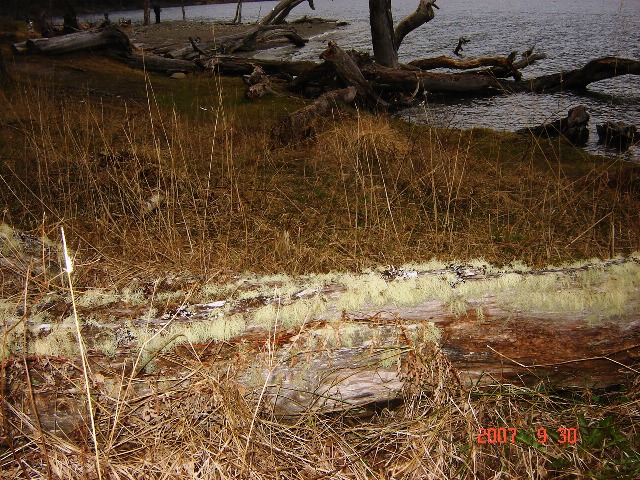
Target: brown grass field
156,178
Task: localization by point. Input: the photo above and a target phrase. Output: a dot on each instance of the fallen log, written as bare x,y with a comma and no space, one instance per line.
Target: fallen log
237,42
347,342
110,37
297,125
154,63
390,79
234,65
467,64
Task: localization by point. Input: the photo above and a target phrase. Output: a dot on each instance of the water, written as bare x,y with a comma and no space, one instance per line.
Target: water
569,32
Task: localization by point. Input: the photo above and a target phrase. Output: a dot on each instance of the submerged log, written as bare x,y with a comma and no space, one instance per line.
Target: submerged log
110,37
619,135
574,127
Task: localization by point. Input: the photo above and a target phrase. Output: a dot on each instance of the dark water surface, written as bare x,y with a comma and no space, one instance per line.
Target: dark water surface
570,32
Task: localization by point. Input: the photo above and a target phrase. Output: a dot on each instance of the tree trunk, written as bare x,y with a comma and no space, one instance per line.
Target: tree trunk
184,15
238,17
146,12
280,12
386,41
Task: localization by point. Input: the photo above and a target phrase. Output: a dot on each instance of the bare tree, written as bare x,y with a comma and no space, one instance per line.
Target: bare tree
238,17
147,14
385,39
281,10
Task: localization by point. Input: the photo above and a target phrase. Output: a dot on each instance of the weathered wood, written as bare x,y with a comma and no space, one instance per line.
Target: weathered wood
237,42
258,84
350,74
580,78
466,64
348,341
281,10
296,125
574,127
154,63
110,37
234,65
473,84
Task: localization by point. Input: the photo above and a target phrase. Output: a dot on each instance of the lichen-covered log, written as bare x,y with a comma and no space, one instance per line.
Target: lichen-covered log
341,341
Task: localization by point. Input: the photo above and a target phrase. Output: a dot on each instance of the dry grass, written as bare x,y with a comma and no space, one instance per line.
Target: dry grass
186,180
208,427
139,184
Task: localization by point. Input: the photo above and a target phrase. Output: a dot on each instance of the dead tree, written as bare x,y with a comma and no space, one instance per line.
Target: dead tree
238,17
385,39
281,11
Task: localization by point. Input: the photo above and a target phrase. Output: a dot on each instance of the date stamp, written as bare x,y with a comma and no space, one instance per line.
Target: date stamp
503,435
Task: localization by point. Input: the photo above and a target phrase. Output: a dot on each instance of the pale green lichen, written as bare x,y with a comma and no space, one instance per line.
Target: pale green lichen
287,316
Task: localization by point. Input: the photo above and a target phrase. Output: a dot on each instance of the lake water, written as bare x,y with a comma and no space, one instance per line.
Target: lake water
570,32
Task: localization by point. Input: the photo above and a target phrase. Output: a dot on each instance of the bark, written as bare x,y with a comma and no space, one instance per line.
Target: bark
382,34
280,12
238,16
298,125
109,37
423,14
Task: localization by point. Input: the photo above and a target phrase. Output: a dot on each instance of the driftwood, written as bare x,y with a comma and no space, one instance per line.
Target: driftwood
234,65
454,63
350,74
237,42
618,134
297,125
477,84
154,63
258,84
111,38
574,127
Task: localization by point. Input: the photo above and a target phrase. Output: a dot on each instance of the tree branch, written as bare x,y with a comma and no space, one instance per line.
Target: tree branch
422,15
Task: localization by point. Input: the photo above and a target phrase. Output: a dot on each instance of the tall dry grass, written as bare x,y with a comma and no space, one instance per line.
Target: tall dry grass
149,188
